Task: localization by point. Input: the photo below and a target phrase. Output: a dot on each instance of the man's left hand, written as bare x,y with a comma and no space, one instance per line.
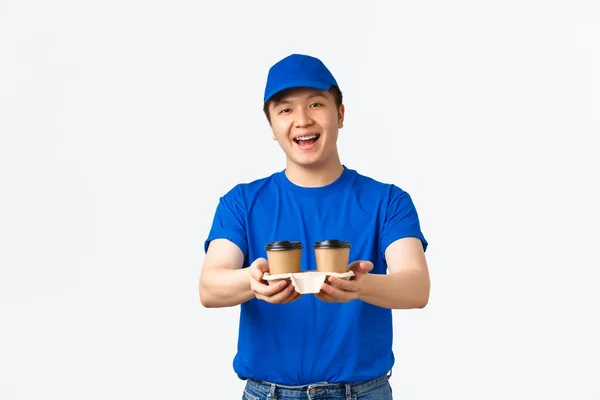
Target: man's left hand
340,290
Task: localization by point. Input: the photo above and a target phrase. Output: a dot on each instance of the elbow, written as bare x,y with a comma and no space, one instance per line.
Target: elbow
422,299
208,304
419,303
206,300
422,303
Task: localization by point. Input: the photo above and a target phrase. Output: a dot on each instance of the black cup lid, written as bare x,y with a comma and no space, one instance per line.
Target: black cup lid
332,244
283,245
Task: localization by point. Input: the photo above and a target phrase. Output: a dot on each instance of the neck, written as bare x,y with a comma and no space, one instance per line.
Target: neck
315,175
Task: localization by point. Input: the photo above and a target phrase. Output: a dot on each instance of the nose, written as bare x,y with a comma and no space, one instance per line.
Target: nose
303,119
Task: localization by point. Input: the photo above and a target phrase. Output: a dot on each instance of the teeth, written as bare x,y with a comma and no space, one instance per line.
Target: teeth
306,137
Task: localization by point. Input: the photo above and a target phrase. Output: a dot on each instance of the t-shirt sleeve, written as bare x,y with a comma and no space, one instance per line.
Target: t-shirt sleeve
401,220
229,222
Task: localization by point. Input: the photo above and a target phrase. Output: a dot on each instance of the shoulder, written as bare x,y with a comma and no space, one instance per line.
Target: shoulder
386,190
244,190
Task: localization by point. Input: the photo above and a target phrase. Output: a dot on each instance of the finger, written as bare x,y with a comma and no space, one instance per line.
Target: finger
342,284
366,266
337,294
293,297
363,267
327,288
298,295
280,297
260,265
256,273
269,290
290,297
325,297
322,296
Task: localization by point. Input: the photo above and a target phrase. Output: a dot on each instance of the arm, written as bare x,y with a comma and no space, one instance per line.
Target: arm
407,284
223,282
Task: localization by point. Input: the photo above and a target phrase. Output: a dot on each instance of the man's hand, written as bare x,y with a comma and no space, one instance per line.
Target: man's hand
278,292
340,290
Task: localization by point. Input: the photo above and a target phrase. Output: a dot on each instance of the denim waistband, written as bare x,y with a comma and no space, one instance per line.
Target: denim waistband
316,390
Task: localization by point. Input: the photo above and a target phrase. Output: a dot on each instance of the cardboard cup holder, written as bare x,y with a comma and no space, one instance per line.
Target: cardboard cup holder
307,281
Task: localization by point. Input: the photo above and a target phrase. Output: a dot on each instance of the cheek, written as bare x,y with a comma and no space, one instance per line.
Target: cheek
279,131
331,124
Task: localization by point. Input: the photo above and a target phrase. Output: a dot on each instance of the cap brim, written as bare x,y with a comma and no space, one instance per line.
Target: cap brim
298,84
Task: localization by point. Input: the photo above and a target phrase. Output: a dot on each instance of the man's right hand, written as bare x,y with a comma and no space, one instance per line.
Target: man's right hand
279,292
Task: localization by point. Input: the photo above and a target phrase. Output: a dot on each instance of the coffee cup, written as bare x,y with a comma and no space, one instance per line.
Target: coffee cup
284,257
332,256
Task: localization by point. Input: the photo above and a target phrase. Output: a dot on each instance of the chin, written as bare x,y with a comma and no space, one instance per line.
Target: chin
309,160
309,163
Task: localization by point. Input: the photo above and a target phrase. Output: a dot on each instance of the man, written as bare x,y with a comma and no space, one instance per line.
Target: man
337,343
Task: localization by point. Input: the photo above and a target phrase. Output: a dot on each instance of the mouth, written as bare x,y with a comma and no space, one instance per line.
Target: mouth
306,141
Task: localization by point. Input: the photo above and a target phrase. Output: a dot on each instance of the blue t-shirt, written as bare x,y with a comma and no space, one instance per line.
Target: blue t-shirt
309,340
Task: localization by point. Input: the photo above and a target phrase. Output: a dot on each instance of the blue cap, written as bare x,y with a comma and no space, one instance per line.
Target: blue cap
298,70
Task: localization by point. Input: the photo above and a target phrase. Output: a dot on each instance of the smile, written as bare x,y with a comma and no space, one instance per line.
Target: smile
307,140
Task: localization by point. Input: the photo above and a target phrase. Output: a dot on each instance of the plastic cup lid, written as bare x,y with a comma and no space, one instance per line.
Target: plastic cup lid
332,244
283,245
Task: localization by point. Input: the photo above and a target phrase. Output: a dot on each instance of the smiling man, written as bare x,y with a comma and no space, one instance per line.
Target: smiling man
336,344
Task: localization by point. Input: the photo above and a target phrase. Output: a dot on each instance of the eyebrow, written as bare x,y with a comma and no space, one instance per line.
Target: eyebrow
285,100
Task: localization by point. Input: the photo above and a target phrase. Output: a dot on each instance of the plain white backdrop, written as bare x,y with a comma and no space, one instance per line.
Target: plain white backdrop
123,122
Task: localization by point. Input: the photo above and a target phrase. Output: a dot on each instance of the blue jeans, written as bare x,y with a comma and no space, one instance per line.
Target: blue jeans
375,389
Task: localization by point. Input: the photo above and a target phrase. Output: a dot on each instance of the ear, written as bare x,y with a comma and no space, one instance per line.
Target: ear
341,112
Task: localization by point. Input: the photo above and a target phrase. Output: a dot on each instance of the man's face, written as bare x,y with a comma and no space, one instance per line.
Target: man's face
305,122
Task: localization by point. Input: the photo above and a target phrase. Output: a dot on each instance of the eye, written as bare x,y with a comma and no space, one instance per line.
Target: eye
316,105
285,111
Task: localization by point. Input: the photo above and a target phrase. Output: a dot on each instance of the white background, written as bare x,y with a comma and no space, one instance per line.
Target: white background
123,122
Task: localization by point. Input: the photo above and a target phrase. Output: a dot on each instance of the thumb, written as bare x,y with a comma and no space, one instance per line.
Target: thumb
258,268
363,267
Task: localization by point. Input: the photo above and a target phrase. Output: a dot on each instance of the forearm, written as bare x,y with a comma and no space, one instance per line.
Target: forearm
399,290
225,287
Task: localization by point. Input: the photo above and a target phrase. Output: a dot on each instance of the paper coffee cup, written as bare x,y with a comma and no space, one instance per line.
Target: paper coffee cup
332,256
284,257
